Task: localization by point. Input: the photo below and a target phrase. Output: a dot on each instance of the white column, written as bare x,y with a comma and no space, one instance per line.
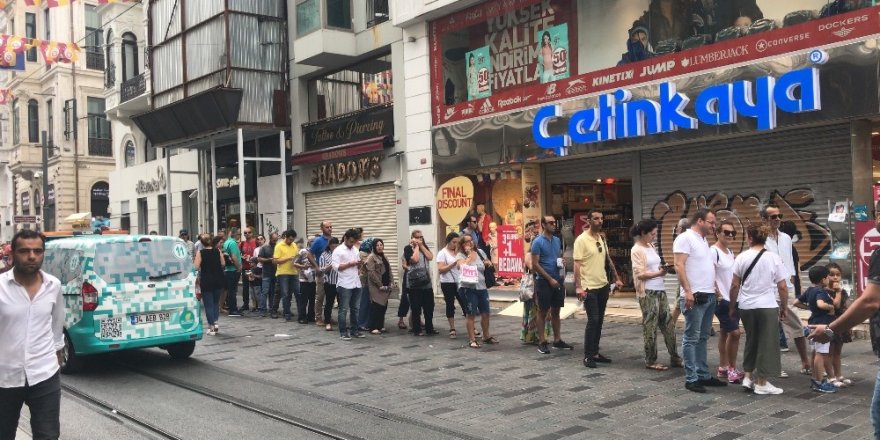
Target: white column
200,192
169,227
241,201
214,186
283,183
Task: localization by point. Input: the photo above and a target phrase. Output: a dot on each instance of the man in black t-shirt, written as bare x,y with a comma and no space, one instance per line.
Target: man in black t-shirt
863,308
268,300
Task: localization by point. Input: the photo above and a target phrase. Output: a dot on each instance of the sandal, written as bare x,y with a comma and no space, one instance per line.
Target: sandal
401,325
806,371
375,332
474,344
452,334
657,367
846,382
490,340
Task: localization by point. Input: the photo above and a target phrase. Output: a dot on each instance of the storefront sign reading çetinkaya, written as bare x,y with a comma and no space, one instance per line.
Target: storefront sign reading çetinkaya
618,117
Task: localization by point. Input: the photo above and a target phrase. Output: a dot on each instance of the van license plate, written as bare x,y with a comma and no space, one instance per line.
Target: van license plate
149,318
111,328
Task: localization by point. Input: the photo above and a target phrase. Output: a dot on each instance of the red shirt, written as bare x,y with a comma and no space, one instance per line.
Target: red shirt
247,252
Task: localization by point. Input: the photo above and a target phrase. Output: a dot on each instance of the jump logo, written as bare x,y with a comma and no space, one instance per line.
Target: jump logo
619,117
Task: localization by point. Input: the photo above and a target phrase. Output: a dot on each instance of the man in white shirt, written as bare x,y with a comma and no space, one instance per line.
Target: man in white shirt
780,244
346,261
695,267
31,340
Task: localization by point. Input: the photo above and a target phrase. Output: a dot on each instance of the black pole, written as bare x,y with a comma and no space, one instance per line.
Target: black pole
45,144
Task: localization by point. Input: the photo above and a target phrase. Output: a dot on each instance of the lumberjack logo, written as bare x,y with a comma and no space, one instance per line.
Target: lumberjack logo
814,241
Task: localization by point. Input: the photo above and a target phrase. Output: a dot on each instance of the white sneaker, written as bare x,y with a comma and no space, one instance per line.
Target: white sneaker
748,384
767,388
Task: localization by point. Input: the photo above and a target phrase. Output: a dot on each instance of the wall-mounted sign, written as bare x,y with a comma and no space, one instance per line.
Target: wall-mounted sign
50,195
619,117
25,200
101,191
367,124
153,185
510,252
130,154
227,182
454,199
350,170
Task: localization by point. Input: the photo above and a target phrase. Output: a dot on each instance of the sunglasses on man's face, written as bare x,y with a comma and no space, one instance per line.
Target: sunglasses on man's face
730,234
775,216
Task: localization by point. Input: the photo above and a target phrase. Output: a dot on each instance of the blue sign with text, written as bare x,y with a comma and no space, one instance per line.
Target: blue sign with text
618,116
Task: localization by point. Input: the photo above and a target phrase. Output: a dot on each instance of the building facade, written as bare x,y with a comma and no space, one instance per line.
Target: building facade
348,121
558,107
66,101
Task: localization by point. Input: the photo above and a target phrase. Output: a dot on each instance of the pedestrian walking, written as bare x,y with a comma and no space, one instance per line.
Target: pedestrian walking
449,273
31,340
347,262
330,279
417,254
379,283
728,340
648,276
593,274
319,245
695,267
232,271
268,297
209,263
472,286
864,307
288,275
190,246
758,275
548,265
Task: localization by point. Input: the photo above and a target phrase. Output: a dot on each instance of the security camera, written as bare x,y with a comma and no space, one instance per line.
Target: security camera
397,183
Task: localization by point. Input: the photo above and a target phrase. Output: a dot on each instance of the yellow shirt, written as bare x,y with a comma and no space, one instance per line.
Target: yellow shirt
592,261
282,251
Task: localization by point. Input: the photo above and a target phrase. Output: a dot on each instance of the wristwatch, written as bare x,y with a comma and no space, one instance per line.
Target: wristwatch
829,333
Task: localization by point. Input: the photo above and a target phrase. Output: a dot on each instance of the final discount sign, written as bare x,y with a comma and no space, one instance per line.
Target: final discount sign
510,252
454,199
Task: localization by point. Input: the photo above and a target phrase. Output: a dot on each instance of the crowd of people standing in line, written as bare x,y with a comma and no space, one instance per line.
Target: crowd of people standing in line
749,290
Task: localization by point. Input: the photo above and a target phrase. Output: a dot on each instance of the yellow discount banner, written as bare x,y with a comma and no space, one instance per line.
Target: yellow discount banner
454,199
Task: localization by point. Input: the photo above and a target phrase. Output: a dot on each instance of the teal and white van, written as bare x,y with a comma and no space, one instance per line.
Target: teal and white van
123,292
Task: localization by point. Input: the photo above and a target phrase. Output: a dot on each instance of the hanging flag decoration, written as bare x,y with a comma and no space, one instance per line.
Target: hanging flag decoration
4,95
54,52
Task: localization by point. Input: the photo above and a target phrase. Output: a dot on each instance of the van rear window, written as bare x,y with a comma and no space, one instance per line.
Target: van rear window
141,262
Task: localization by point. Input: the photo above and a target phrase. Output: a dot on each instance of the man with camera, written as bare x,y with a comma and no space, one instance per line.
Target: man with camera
695,267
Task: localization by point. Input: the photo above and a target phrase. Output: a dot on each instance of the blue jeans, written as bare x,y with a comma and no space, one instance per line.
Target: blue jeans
697,326
211,299
349,305
289,287
364,307
266,288
232,277
875,408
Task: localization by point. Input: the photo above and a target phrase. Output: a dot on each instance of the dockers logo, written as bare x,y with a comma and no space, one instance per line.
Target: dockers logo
813,241
842,28
620,117
576,87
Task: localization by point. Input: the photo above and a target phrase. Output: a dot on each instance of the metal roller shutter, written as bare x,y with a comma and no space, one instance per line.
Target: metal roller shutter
589,169
372,207
816,159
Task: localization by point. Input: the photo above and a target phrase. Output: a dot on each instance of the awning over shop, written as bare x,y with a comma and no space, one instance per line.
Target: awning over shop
202,114
342,151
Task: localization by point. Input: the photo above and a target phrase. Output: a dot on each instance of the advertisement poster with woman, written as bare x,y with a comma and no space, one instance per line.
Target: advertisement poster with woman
553,53
479,71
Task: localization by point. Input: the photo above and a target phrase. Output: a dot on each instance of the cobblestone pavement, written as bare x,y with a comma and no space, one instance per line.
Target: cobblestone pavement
511,391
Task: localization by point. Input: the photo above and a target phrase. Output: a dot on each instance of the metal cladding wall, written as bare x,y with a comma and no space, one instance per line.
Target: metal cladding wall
800,170
372,207
588,169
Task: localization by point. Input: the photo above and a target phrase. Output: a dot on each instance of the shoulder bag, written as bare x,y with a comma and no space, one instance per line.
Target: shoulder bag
488,272
417,276
526,286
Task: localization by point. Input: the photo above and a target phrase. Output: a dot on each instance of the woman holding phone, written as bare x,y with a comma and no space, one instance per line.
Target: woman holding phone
472,286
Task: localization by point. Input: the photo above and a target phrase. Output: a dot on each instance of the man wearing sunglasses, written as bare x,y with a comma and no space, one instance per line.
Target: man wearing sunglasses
592,265
780,243
549,291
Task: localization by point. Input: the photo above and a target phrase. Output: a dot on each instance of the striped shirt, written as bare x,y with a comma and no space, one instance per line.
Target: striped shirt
326,266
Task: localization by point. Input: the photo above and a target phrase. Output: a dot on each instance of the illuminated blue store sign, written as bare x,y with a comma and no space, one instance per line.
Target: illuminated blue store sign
619,117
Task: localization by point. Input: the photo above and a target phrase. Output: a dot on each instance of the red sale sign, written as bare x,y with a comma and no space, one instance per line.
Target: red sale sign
510,252
867,240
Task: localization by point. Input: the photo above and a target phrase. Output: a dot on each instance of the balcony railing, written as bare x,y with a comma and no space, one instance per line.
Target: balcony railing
132,88
100,147
95,60
377,12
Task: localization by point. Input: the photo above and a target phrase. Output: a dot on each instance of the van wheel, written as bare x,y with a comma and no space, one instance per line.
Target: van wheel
182,350
70,361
